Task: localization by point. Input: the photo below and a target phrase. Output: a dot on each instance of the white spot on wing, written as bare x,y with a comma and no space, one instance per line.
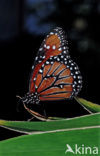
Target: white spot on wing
32,67
43,57
51,33
34,79
58,59
45,45
64,52
36,58
53,47
62,56
47,62
59,49
41,71
40,49
48,47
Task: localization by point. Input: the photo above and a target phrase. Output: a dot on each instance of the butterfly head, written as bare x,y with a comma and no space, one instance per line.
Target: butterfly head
31,98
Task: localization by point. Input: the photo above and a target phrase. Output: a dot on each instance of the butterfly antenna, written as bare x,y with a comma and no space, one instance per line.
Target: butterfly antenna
20,99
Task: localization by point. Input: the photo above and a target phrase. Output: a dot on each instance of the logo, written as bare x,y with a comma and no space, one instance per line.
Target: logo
81,149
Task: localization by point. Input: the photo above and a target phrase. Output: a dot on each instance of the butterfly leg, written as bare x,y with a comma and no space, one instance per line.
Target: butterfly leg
31,118
44,111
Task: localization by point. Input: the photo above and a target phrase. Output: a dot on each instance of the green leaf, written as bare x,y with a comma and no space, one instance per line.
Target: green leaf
51,144
50,138
91,107
28,127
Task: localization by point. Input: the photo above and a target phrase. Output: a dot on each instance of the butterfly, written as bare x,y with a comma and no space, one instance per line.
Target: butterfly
54,76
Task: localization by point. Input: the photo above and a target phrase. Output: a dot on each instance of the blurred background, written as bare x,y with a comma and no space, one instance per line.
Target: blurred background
23,26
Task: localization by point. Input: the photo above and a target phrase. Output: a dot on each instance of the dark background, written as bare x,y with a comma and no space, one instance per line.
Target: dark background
23,26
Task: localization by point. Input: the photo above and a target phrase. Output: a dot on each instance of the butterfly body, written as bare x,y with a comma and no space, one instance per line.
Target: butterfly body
55,76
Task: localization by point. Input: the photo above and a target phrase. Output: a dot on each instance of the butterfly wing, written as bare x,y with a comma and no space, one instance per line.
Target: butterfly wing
55,76
53,45
56,83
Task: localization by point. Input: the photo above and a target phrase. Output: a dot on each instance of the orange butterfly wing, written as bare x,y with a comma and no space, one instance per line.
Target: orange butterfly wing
55,76
56,86
51,46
